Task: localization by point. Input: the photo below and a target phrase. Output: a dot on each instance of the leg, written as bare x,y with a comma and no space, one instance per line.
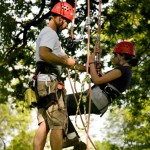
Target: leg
40,137
56,138
73,139
71,109
57,121
72,133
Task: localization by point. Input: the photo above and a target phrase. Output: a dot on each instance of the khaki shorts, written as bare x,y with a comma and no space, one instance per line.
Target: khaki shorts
54,117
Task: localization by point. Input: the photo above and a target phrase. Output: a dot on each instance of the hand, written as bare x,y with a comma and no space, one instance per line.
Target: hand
98,65
71,62
92,58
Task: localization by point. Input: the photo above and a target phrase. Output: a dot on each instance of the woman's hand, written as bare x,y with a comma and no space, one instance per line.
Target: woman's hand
92,58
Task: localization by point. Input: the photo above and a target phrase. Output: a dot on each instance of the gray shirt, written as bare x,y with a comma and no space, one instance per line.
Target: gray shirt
49,38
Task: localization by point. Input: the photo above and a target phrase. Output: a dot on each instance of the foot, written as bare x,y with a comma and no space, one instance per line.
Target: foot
70,142
78,145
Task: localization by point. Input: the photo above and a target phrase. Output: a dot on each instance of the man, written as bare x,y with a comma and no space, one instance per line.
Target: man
50,58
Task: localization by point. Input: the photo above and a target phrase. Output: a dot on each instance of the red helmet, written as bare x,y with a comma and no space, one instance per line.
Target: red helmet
64,9
124,47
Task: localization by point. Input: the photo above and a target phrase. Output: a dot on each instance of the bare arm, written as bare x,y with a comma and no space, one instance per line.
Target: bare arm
65,61
46,55
105,78
112,75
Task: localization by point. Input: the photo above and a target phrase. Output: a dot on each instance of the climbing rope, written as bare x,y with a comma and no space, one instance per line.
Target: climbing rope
79,110
73,22
97,51
87,71
83,97
97,48
71,41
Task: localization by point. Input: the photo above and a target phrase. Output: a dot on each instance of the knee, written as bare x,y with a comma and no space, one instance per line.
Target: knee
43,127
42,131
40,136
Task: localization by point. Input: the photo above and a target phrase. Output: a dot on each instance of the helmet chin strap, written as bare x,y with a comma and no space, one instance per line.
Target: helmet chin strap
119,58
120,62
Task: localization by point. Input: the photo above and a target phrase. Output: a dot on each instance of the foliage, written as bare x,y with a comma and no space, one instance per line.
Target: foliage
19,143
15,124
129,129
20,23
125,20
105,146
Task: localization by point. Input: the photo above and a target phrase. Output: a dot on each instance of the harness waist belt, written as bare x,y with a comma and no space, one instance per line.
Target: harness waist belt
111,91
45,68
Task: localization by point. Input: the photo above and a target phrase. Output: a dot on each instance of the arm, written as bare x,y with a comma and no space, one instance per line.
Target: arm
65,61
78,66
112,75
46,55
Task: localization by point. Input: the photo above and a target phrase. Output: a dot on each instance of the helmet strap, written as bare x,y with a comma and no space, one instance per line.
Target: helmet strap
120,62
119,58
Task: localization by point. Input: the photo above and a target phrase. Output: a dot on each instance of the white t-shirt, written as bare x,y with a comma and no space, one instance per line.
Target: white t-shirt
49,38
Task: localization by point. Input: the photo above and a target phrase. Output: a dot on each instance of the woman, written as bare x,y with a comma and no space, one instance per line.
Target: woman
108,86
116,81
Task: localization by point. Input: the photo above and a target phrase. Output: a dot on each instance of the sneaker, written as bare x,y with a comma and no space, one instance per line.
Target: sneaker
70,142
80,146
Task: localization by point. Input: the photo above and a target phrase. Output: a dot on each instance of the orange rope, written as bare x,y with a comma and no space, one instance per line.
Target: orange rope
97,51
87,67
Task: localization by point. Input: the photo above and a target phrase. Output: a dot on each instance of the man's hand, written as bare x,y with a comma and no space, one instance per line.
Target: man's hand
70,62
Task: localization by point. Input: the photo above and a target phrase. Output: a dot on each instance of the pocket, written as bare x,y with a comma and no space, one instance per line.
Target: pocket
42,88
53,86
56,117
46,85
